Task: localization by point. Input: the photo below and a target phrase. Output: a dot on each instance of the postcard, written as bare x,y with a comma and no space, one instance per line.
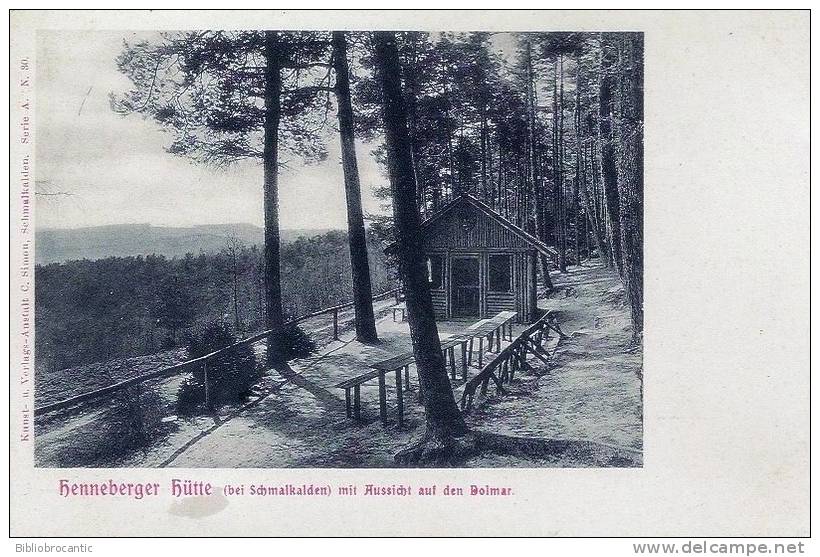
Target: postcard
371,273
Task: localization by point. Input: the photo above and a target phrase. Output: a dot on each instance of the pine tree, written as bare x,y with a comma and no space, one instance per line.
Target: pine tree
228,96
444,421
629,152
364,320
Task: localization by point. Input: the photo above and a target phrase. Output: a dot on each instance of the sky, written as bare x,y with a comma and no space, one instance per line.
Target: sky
95,167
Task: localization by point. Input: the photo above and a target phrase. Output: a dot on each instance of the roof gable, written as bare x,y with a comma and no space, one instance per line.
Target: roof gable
468,222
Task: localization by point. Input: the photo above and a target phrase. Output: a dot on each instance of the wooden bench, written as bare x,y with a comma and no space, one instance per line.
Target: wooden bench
514,358
400,307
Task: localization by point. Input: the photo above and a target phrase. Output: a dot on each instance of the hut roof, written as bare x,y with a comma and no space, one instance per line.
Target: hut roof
444,211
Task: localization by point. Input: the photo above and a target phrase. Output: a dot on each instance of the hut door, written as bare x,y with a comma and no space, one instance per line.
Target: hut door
465,287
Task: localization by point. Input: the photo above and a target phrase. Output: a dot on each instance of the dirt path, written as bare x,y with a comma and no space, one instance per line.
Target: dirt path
593,389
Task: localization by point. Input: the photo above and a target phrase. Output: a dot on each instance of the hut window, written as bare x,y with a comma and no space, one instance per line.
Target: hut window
500,273
435,271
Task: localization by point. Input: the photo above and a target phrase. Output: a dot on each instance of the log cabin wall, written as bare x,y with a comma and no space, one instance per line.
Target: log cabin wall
439,294
466,232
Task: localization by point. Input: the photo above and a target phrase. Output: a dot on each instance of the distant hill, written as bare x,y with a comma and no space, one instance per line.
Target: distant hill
119,240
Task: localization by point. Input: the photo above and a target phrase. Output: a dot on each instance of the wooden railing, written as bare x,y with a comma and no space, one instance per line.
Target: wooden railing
187,365
513,358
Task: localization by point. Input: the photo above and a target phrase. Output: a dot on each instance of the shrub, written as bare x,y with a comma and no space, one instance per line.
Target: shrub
297,343
137,419
230,375
132,421
168,342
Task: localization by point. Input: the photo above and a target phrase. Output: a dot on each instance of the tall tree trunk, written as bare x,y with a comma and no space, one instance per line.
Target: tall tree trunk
449,131
576,197
609,171
563,221
630,174
588,185
443,418
411,94
596,208
490,186
364,320
591,209
586,234
274,319
540,226
557,171
483,155
237,323
260,288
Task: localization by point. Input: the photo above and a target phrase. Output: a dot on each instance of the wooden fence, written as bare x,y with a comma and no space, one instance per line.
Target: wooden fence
513,358
188,365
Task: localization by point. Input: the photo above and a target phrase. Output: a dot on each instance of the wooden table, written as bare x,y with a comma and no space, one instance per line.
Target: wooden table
494,329
402,307
400,365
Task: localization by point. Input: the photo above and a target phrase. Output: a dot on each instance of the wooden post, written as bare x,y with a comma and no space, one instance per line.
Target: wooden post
400,397
480,351
407,377
452,352
534,349
348,410
207,387
523,358
357,406
335,323
382,398
464,360
498,340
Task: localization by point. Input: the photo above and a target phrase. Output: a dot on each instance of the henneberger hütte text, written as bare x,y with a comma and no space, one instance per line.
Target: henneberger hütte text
111,488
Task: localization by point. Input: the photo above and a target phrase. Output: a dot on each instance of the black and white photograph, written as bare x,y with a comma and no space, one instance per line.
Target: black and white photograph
339,249
395,273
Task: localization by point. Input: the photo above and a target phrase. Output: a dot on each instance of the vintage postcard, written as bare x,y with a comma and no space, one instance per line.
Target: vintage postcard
397,273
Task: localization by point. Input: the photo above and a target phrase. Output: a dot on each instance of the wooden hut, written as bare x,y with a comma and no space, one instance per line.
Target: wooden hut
479,263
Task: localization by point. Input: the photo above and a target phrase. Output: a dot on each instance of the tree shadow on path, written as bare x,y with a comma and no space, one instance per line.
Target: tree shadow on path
330,401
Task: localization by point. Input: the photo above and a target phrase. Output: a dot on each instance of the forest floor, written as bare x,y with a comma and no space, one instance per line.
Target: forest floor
593,388
296,418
